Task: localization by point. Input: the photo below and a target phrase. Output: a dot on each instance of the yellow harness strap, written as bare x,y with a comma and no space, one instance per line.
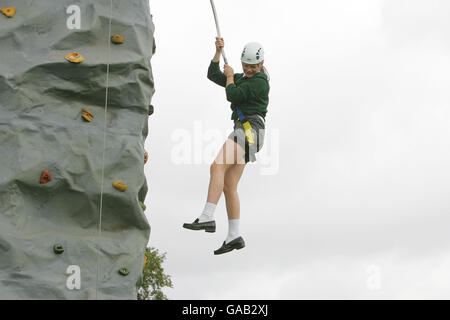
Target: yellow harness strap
248,131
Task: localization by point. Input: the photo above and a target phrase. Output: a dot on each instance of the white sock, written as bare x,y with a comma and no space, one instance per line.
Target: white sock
208,213
233,230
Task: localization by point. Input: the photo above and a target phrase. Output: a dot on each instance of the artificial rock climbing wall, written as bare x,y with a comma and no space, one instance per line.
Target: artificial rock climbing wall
75,92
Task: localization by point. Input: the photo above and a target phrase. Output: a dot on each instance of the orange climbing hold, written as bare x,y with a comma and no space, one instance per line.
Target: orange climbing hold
74,57
46,177
87,115
145,261
119,185
9,12
117,38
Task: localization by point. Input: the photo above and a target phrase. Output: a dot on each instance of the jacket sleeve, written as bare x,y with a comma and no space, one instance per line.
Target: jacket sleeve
238,94
215,75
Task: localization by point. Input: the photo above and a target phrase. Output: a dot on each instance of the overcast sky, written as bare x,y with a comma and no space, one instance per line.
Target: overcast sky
349,198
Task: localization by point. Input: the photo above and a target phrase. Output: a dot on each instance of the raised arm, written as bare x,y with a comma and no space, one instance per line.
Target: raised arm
214,73
219,46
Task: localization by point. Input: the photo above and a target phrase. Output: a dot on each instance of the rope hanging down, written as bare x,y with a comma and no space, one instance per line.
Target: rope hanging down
99,234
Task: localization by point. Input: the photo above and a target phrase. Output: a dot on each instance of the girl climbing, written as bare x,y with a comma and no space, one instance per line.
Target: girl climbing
248,93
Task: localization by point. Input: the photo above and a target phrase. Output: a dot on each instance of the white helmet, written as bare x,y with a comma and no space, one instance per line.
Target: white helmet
253,53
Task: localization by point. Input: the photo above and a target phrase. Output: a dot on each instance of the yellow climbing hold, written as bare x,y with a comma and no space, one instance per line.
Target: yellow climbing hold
74,57
9,12
119,185
87,115
117,38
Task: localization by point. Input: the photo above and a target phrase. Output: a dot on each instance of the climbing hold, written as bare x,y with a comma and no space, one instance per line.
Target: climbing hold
46,177
119,185
151,109
74,57
9,12
58,248
145,261
87,115
143,206
117,39
145,156
124,271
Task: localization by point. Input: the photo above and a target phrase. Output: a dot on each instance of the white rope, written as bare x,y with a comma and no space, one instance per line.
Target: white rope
99,234
216,19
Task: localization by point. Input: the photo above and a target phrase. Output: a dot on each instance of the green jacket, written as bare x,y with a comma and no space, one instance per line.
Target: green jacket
251,95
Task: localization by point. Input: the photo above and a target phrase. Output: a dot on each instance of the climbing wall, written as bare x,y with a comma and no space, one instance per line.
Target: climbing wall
75,93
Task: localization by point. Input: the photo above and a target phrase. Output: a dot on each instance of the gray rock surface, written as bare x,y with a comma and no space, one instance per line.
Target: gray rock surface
41,99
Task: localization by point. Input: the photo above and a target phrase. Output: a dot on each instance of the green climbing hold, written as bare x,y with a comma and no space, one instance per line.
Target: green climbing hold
124,271
143,206
58,248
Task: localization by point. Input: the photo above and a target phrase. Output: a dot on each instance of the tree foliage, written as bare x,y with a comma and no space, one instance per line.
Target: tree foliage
154,279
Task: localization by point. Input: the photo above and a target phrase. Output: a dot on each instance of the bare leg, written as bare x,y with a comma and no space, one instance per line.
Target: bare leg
232,177
230,154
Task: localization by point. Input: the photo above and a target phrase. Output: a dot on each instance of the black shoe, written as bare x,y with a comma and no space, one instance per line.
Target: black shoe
237,244
209,226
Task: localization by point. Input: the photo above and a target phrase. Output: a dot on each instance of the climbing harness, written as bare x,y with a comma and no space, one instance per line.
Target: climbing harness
245,123
247,126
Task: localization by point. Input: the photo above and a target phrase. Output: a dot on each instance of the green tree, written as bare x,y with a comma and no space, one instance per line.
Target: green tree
154,278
